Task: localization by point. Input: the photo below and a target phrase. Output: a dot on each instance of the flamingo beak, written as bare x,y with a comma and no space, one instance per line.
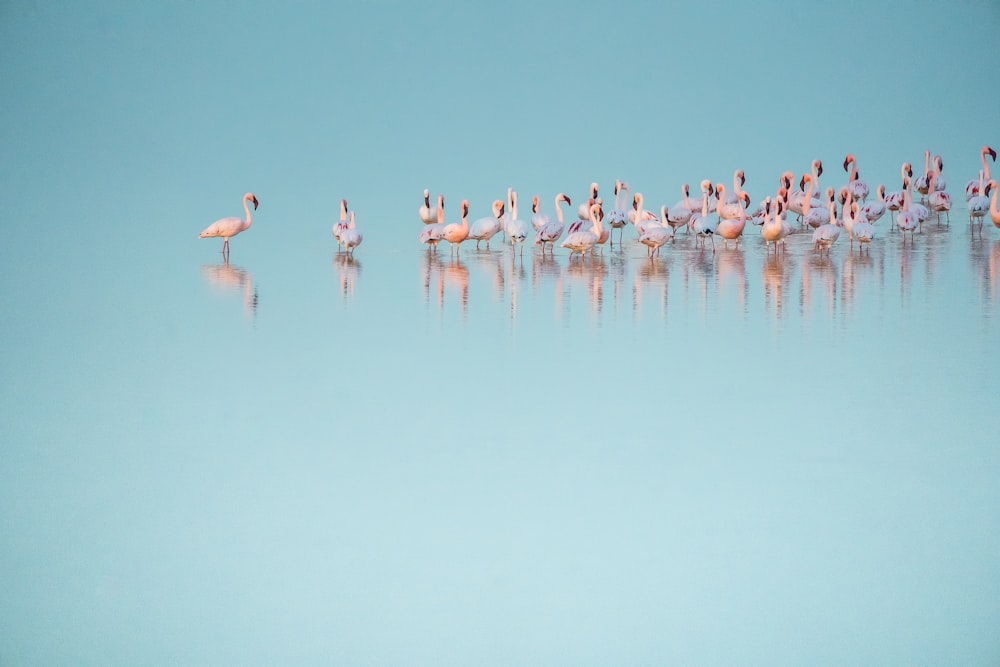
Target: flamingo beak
819,169
566,199
993,154
743,179
802,183
846,162
255,203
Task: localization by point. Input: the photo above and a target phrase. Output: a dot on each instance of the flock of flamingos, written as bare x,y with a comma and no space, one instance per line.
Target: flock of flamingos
717,212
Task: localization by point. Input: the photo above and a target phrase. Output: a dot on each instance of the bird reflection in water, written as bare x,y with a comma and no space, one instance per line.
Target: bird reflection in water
590,276
819,272
348,271
653,275
699,269
856,271
228,277
985,259
445,276
731,267
777,276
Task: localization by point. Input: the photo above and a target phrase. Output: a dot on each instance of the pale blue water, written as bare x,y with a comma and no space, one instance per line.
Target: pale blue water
707,459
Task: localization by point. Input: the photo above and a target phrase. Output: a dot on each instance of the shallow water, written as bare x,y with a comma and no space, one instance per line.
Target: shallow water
410,458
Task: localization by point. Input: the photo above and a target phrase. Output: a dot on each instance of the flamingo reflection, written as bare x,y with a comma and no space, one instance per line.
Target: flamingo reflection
228,277
348,271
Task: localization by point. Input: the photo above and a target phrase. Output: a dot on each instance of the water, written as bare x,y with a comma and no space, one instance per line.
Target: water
406,458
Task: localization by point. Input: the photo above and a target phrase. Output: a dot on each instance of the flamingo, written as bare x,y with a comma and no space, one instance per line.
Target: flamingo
538,219
894,200
980,203
428,215
679,215
618,218
938,200
431,234
814,216
859,189
938,167
796,198
656,235
974,186
728,208
230,227
517,229
874,210
921,183
826,235
351,237
702,225
455,233
863,230
552,230
730,229
484,229
585,239
739,180
342,224
906,220
774,230
641,219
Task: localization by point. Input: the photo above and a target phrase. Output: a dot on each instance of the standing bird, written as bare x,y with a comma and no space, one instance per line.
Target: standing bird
618,217
859,189
585,239
550,232
342,224
351,237
974,186
774,230
655,236
517,229
729,229
583,210
938,200
894,200
455,233
906,219
484,229
979,204
431,234
874,210
826,235
863,230
428,215
230,227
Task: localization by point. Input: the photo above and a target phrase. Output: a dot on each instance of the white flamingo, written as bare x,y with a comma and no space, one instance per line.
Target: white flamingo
552,230
906,220
980,203
894,199
230,227
517,229
863,230
875,209
618,217
774,229
827,234
341,224
351,237
655,236
703,226
585,239
428,214
938,200
813,214
859,189
679,215
432,234
486,228
972,188
796,198
732,209
921,183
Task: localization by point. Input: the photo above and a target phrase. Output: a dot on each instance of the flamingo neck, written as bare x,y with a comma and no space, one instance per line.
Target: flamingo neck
246,207
559,215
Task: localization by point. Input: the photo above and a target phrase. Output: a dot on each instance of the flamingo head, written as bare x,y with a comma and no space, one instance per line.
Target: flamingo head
939,162
706,185
746,200
465,208
720,191
786,180
743,179
993,153
635,201
563,197
819,167
767,206
252,198
534,204
848,160
802,181
498,208
989,187
618,187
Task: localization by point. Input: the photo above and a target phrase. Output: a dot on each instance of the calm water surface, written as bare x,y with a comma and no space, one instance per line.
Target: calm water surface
300,457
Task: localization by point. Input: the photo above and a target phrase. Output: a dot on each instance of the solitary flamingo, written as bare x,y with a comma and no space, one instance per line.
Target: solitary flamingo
351,237
428,215
229,227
